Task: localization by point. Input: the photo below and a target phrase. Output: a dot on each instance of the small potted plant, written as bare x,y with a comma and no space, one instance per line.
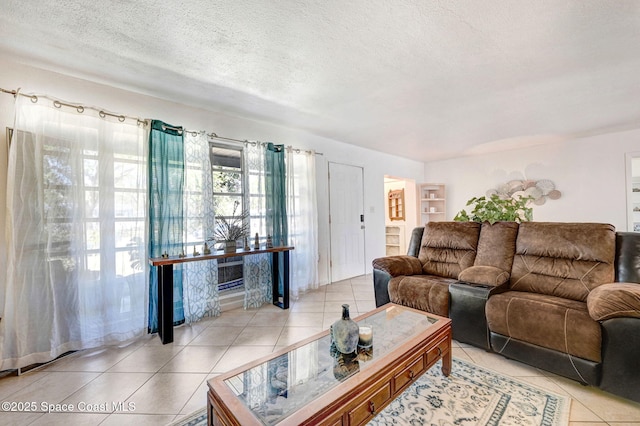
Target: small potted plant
229,230
496,209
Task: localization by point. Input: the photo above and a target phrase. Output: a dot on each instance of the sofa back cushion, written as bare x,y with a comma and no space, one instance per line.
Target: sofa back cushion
497,245
448,247
563,259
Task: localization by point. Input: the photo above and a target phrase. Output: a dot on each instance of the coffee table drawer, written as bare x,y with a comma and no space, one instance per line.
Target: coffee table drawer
411,372
371,406
436,352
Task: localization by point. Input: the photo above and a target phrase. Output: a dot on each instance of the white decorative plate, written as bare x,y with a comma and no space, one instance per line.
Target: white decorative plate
546,186
514,186
554,195
533,192
518,194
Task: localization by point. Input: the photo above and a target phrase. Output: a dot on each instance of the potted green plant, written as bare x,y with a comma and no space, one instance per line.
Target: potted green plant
494,209
229,230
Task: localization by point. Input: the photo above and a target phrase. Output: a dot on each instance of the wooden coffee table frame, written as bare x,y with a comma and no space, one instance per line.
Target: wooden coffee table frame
356,400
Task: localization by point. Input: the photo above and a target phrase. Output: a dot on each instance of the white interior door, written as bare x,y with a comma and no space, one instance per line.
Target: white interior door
346,215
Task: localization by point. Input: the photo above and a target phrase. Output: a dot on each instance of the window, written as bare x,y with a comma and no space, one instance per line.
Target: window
228,198
111,219
93,215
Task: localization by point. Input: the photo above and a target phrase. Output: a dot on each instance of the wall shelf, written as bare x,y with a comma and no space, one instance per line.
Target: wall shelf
394,236
432,202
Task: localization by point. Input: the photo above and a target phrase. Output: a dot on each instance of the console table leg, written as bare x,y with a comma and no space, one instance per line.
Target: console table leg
285,296
165,303
275,273
275,278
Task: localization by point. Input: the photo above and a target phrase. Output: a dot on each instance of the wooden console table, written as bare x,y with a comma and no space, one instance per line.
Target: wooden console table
165,282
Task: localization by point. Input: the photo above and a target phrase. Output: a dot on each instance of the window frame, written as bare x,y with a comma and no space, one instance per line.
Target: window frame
231,261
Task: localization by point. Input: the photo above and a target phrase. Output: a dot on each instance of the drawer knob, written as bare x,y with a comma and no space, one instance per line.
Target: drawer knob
439,351
372,408
411,374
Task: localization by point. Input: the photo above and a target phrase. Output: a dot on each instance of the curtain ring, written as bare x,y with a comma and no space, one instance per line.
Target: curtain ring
102,114
80,109
34,98
164,127
121,118
57,104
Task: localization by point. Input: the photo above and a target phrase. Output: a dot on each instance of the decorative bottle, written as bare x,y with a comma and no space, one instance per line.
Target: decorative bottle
345,333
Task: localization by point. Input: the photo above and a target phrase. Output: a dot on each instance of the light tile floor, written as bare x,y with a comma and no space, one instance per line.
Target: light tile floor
165,382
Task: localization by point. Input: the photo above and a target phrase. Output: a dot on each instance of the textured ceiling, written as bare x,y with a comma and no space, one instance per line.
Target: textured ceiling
421,79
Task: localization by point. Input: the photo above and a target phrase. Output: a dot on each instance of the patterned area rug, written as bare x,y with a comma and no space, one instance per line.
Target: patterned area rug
471,395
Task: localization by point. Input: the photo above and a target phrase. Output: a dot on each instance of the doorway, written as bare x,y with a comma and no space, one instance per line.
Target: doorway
398,230
633,192
346,221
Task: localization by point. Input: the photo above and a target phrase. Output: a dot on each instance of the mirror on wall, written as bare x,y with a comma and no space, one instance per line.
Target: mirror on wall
633,194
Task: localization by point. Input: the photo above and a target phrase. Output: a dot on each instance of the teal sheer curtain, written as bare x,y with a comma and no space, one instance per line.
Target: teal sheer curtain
276,198
275,193
166,186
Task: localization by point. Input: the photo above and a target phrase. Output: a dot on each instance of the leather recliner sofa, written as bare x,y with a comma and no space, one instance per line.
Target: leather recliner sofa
563,297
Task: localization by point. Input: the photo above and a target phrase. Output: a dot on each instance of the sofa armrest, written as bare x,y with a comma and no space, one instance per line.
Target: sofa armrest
398,265
486,275
614,300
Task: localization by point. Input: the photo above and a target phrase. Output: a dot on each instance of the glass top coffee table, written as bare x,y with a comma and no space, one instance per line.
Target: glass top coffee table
312,383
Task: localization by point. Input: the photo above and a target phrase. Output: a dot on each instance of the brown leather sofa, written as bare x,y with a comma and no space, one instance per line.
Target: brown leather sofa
564,297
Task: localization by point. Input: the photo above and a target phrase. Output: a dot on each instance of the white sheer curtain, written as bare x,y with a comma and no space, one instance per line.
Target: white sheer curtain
257,268
76,223
302,217
200,284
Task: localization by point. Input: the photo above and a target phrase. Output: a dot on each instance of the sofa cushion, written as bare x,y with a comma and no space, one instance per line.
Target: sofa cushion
614,300
552,322
425,292
398,265
497,245
448,247
563,259
485,275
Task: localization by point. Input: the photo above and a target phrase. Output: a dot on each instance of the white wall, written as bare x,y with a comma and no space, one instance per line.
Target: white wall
375,164
590,172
